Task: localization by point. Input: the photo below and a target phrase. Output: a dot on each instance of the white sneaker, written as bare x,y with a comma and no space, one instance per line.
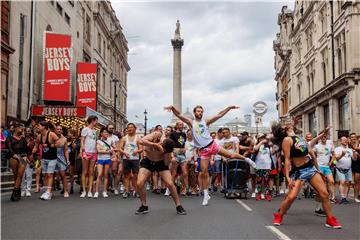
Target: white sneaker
357,200
23,193
206,200
167,193
105,195
89,195
250,162
148,187
47,196
83,194
262,196
282,192
42,195
122,188
116,192
96,195
253,195
28,194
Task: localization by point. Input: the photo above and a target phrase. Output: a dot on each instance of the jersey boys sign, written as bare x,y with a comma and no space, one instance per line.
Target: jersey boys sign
57,62
86,85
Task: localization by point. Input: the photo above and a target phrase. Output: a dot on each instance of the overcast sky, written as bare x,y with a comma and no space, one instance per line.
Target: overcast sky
227,58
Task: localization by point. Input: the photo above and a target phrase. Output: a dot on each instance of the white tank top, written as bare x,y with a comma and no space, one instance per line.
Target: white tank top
130,147
201,135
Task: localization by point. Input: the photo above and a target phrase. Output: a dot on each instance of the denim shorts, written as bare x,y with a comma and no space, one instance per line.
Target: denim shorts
48,166
61,164
180,158
325,170
304,174
343,175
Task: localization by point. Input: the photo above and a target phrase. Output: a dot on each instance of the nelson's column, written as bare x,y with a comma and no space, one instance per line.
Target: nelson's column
177,44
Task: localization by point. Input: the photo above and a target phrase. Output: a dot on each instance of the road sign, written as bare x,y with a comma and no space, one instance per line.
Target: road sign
260,108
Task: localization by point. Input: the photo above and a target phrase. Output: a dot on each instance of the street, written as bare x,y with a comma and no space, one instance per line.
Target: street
111,218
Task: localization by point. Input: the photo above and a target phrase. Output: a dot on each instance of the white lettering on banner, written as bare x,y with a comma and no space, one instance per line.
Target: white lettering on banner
56,111
58,59
87,82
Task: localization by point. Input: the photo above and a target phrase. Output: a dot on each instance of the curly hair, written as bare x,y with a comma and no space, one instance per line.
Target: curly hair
278,133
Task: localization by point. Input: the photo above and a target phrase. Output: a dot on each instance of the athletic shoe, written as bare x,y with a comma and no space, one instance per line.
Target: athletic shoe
116,192
105,195
277,219
250,162
180,210
333,200
147,186
96,195
320,213
215,189
344,201
223,190
206,200
89,195
167,193
27,193
23,193
163,190
142,210
281,192
43,195
122,188
331,222
47,196
135,194
357,200
125,195
262,196
253,195
258,197
66,195
268,197
83,194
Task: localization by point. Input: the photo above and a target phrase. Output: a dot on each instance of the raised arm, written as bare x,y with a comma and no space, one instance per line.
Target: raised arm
148,139
186,120
220,115
318,137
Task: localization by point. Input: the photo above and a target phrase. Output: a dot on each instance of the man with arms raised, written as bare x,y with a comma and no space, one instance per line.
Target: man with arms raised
158,157
204,142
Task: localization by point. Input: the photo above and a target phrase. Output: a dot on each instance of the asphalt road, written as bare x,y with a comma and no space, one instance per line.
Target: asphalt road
114,218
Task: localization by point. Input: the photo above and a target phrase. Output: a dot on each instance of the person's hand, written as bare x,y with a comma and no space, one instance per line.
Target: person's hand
44,145
291,183
68,163
234,107
343,153
169,108
127,155
159,147
212,162
326,130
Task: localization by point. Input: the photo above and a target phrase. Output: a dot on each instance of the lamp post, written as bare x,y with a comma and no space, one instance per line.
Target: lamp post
115,81
145,113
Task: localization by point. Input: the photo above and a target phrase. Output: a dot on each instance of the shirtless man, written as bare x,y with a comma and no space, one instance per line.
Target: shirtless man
206,145
158,157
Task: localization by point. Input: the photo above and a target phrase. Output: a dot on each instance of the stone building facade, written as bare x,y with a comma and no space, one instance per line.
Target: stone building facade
320,42
84,21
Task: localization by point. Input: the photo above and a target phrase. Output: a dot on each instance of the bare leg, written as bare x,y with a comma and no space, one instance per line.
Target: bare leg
330,180
84,173
290,197
204,174
356,185
134,180
106,176
91,174
318,183
174,166
49,181
127,182
64,182
72,176
100,172
142,177
166,177
185,174
38,173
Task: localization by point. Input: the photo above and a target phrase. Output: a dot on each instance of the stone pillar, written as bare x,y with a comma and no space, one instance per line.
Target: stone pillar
177,44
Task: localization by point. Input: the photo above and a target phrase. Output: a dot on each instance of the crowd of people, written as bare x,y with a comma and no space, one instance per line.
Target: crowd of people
185,160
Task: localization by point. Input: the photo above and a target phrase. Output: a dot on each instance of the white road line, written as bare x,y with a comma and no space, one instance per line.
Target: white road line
244,205
278,233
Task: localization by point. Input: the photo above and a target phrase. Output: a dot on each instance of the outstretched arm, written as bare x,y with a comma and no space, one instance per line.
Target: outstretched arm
317,138
186,120
220,115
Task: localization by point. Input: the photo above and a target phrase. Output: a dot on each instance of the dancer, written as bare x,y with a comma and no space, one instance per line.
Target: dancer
204,142
296,152
158,156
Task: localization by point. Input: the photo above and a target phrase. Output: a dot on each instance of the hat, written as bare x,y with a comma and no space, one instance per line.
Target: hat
245,133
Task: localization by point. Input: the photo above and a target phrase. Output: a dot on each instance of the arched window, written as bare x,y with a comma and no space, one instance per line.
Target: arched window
49,28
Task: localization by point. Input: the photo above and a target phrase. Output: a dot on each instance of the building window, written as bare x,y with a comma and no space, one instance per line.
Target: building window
323,19
99,42
71,2
88,29
86,57
324,65
299,92
312,123
103,85
59,8
326,115
339,61
67,19
309,37
52,2
344,113
104,50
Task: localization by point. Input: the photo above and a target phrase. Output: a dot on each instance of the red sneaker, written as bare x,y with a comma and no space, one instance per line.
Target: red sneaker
331,222
268,197
277,219
258,197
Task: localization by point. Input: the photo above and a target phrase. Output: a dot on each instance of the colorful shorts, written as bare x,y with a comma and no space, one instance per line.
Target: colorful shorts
304,174
90,156
325,170
212,149
104,162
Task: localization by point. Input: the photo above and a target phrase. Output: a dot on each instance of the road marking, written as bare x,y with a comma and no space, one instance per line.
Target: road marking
278,233
244,205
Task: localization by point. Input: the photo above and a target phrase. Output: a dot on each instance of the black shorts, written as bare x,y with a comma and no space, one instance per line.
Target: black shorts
154,166
131,165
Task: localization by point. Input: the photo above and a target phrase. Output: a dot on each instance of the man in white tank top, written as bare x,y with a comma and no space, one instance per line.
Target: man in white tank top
131,150
204,142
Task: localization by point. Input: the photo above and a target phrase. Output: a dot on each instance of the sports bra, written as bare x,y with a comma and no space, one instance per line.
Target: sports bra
299,148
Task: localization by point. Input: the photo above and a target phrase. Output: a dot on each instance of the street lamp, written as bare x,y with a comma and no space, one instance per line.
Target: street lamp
115,81
145,113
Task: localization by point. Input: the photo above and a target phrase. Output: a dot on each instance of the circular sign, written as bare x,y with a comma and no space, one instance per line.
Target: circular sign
260,108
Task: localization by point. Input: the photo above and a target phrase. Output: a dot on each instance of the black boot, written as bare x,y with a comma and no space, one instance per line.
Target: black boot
18,193
13,196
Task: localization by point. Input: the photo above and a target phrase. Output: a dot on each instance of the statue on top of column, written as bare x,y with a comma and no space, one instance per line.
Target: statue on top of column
177,30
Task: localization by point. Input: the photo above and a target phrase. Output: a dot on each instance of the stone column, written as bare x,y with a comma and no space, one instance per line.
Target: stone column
177,44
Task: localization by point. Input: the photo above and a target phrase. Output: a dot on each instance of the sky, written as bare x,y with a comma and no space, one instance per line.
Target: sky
227,57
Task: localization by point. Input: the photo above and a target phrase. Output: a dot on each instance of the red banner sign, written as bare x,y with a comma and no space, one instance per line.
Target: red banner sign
86,85
57,65
61,111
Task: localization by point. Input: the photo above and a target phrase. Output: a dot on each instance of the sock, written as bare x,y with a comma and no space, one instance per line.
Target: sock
206,192
318,206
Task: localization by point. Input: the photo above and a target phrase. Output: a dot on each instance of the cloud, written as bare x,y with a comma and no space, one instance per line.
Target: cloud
227,57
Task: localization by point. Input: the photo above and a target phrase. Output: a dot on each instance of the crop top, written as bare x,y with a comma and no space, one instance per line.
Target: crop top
299,148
